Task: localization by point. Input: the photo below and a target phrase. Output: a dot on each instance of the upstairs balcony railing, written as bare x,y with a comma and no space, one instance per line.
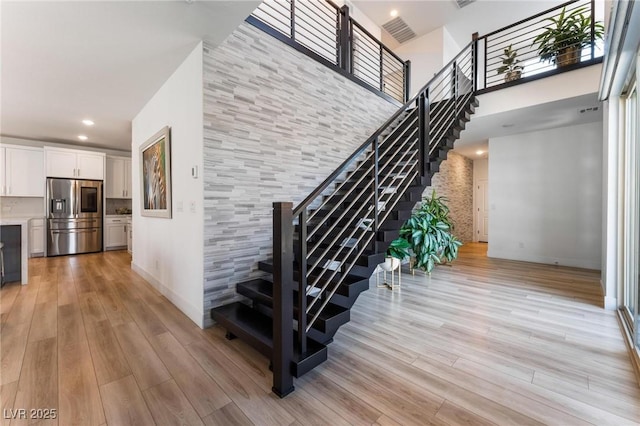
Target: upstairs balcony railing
326,32
560,39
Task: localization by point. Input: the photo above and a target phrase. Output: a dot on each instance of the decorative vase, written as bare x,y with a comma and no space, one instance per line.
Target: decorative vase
568,56
512,75
390,264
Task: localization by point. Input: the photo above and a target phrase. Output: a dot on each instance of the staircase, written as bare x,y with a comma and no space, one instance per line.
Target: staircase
326,249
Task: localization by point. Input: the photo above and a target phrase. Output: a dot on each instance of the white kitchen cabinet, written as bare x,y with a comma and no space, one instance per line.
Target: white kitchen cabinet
115,233
21,171
74,164
118,178
36,237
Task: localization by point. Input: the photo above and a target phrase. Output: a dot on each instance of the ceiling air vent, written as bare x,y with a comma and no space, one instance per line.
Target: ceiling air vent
399,30
588,109
463,3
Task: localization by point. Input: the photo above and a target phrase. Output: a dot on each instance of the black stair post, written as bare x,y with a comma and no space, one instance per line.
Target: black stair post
407,78
282,298
423,149
344,35
474,62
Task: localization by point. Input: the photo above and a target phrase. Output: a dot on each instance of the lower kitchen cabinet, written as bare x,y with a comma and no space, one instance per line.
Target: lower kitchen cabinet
36,237
115,233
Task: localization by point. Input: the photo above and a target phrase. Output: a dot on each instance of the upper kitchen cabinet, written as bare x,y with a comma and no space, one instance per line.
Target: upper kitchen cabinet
118,180
74,164
22,173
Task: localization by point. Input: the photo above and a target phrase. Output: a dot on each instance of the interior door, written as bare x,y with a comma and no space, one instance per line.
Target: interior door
482,212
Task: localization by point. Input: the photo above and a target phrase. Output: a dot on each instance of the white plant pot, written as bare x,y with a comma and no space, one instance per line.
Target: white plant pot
390,264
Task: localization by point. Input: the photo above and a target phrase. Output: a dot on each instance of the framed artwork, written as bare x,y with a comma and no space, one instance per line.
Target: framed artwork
155,166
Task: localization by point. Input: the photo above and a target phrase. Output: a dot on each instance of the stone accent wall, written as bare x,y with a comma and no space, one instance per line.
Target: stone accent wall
276,124
455,182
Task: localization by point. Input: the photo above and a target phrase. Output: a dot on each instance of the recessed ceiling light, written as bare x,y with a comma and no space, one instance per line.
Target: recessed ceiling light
82,137
479,152
88,122
393,13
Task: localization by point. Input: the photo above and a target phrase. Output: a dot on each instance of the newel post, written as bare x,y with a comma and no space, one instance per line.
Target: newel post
474,61
407,80
344,37
282,298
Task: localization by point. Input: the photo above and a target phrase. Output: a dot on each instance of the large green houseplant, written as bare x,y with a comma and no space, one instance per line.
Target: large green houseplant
428,232
510,67
564,36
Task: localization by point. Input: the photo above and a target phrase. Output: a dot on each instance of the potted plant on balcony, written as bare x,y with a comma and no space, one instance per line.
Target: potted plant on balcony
510,65
563,38
428,232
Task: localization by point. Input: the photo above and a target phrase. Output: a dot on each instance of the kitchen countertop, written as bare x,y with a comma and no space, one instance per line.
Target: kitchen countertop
24,242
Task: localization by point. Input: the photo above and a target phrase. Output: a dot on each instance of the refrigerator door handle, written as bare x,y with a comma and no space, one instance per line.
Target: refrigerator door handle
72,231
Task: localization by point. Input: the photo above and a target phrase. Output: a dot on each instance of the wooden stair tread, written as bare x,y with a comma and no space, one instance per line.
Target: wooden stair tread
255,328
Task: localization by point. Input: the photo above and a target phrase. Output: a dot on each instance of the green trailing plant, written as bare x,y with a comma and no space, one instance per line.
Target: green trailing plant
399,248
565,35
510,64
428,233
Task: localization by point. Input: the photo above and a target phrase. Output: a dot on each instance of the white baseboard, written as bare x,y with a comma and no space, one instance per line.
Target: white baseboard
194,314
562,261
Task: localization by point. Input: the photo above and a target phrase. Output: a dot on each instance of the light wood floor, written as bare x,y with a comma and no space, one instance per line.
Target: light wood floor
481,342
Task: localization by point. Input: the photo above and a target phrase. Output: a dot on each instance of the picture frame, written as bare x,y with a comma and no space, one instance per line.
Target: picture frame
155,179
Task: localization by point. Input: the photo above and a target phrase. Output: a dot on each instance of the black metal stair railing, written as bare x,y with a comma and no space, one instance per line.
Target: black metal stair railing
511,55
327,233
327,30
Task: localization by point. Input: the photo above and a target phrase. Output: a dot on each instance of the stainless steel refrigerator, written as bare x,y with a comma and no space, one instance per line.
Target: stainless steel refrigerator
74,216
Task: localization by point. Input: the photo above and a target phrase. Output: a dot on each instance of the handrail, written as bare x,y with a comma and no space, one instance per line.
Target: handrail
325,30
521,52
340,220
364,30
345,164
530,18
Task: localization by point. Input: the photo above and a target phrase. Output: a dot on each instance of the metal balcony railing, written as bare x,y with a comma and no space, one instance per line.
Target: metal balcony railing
560,39
329,34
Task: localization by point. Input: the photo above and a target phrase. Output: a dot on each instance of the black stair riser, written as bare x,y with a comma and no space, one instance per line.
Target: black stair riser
323,330
254,328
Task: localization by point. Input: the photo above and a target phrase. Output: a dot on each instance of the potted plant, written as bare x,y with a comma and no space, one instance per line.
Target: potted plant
510,65
397,251
565,35
428,232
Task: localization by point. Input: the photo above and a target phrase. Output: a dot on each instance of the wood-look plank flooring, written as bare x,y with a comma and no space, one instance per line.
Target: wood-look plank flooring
481,342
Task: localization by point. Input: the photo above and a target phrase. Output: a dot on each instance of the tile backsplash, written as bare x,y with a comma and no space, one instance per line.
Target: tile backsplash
115,203
21,207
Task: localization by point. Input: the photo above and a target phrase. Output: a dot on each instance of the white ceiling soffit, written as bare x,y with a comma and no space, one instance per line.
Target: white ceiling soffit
63,61
565,112
399,30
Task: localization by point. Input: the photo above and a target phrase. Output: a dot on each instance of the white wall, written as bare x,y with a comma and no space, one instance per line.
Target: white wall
545,195
450,48
169,252
426,56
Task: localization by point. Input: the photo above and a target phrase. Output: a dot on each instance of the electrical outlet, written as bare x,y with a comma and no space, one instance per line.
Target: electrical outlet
192,207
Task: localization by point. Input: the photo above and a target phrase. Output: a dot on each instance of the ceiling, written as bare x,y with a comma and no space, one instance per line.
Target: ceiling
65,61
564,112
482,16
